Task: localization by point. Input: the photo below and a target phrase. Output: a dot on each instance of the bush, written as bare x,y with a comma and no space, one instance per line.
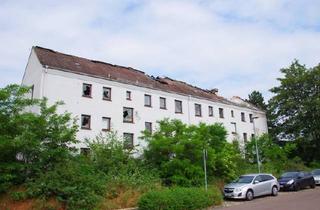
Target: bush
177,198
74,183
176,151
31,143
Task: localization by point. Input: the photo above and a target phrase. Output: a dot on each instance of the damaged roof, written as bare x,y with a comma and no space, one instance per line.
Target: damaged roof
64,62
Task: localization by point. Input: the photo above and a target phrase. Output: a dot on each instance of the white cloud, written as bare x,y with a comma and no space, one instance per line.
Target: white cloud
236,46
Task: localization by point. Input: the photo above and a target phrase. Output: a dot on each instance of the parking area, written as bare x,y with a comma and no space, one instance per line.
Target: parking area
307,199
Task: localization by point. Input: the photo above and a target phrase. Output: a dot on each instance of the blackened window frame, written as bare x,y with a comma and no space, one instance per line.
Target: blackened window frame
128,93
110,94
127,121
89,122
83,91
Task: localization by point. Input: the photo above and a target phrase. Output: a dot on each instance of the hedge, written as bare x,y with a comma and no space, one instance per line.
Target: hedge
178,198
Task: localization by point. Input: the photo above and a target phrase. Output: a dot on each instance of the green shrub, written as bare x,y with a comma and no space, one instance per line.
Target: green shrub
178,198
75,183
176,151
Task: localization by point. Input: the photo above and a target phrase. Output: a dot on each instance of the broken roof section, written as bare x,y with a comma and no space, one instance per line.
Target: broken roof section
127,75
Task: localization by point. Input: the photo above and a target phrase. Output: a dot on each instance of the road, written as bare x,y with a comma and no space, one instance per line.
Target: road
308,199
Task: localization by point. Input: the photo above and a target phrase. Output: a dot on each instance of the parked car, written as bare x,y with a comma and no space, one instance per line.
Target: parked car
316,175
296,180
252,185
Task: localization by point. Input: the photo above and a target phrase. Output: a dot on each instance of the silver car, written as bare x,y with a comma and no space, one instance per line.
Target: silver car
316,176
252,185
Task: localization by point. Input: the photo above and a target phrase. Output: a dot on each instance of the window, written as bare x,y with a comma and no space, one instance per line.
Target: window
232,113
210,110
106,95
234,128
163,103
85,121
127,114
128,95
148,126
86,90
258,178
128,140
197,108
221,113
266,178
245,137
178,106
251,118
106,123
252,135
243,117
147,100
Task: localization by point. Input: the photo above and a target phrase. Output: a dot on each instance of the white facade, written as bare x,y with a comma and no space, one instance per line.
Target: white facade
57,85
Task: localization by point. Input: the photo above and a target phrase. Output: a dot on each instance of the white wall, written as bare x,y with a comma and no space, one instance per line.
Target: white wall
33,76
64,86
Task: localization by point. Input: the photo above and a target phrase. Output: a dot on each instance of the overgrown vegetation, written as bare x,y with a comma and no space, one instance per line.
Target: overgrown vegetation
37,153
176,150
38,162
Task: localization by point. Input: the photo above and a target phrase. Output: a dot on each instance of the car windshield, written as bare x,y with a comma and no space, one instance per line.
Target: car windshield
244,179
316,172
290,175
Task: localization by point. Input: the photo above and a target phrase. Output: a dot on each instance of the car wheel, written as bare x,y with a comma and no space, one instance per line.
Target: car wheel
313,185
296,187
249,195
274,191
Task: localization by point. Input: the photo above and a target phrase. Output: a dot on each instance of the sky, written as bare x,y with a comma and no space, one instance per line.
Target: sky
235,46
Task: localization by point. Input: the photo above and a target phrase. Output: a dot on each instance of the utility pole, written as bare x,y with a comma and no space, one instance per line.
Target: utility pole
255,138
205,168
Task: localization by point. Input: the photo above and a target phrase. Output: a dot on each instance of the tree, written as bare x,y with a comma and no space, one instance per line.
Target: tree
29,142
295,109
176,150
270,154
257,99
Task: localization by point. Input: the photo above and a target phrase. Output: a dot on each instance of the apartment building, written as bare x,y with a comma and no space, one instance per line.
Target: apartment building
108,97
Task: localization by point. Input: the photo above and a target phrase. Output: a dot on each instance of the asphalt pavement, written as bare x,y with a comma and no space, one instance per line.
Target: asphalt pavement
307,199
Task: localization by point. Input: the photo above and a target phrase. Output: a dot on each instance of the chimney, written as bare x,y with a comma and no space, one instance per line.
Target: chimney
214,90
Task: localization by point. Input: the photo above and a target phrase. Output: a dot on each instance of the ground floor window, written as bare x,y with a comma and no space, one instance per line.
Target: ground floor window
85,121
128,140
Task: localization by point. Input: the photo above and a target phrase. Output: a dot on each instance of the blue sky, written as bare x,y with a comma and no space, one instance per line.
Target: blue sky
235,46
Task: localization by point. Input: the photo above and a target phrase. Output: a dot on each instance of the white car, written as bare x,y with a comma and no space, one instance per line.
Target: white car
252,185
316,176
